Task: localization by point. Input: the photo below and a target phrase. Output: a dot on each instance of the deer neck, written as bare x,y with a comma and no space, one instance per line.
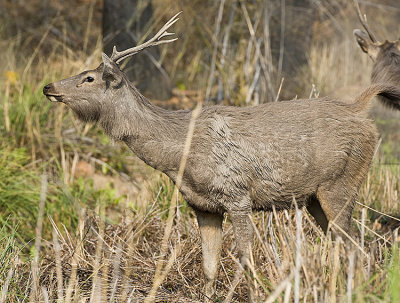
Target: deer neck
154,134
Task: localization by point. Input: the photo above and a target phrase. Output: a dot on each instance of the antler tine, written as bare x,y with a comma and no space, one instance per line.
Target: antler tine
363,20
117,57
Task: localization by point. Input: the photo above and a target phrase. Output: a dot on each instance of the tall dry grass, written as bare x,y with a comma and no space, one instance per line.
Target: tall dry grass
292,259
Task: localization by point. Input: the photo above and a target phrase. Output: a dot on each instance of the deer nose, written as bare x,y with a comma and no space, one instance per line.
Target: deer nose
46,88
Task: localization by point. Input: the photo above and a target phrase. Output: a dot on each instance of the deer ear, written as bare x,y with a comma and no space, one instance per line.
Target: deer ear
111,71
366,44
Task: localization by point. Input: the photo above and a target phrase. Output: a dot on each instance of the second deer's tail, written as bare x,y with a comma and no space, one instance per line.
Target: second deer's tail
388,95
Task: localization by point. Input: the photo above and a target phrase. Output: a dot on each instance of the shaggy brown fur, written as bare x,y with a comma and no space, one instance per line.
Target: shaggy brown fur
316,152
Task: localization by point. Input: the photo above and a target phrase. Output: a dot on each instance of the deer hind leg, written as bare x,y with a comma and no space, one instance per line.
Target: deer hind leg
337,198
337,203
210,226
243,229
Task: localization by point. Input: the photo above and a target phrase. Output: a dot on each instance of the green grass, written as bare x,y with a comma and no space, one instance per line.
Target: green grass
393,268
19,191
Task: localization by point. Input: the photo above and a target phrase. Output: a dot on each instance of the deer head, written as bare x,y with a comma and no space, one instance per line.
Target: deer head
92,93
377,50
386,55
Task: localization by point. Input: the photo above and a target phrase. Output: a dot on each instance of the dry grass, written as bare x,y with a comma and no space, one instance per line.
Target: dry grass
121,259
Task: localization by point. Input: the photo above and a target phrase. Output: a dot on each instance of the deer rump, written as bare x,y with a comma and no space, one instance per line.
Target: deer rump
273,153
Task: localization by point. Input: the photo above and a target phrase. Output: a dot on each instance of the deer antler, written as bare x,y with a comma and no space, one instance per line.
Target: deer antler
364,23
117,57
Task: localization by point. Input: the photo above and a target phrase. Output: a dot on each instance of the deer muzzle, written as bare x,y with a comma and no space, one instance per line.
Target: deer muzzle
51,94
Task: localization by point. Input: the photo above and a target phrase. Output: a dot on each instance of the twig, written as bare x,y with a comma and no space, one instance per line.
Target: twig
349,237
377,211
350,276
282,42
57,250
36,51
38,243
6,284
88,26
298,256
214,54
74,264
280,288
263,61
96,281
363,213
6,107
225,47
335,271
279,89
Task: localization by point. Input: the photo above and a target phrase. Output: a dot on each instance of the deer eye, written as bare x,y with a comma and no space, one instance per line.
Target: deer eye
89,79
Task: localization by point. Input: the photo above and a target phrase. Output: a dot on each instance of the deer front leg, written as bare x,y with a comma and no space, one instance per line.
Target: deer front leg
210,226
243,229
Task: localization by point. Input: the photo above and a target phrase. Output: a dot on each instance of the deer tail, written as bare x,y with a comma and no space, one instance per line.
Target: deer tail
388,95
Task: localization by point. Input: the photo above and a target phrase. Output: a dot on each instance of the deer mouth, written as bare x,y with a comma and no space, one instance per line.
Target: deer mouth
54,98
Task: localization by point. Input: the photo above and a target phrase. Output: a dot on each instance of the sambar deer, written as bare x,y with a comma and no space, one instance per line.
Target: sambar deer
385,55
315,151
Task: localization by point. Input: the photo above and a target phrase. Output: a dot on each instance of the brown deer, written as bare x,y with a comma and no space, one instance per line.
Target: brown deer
315,151
386,55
